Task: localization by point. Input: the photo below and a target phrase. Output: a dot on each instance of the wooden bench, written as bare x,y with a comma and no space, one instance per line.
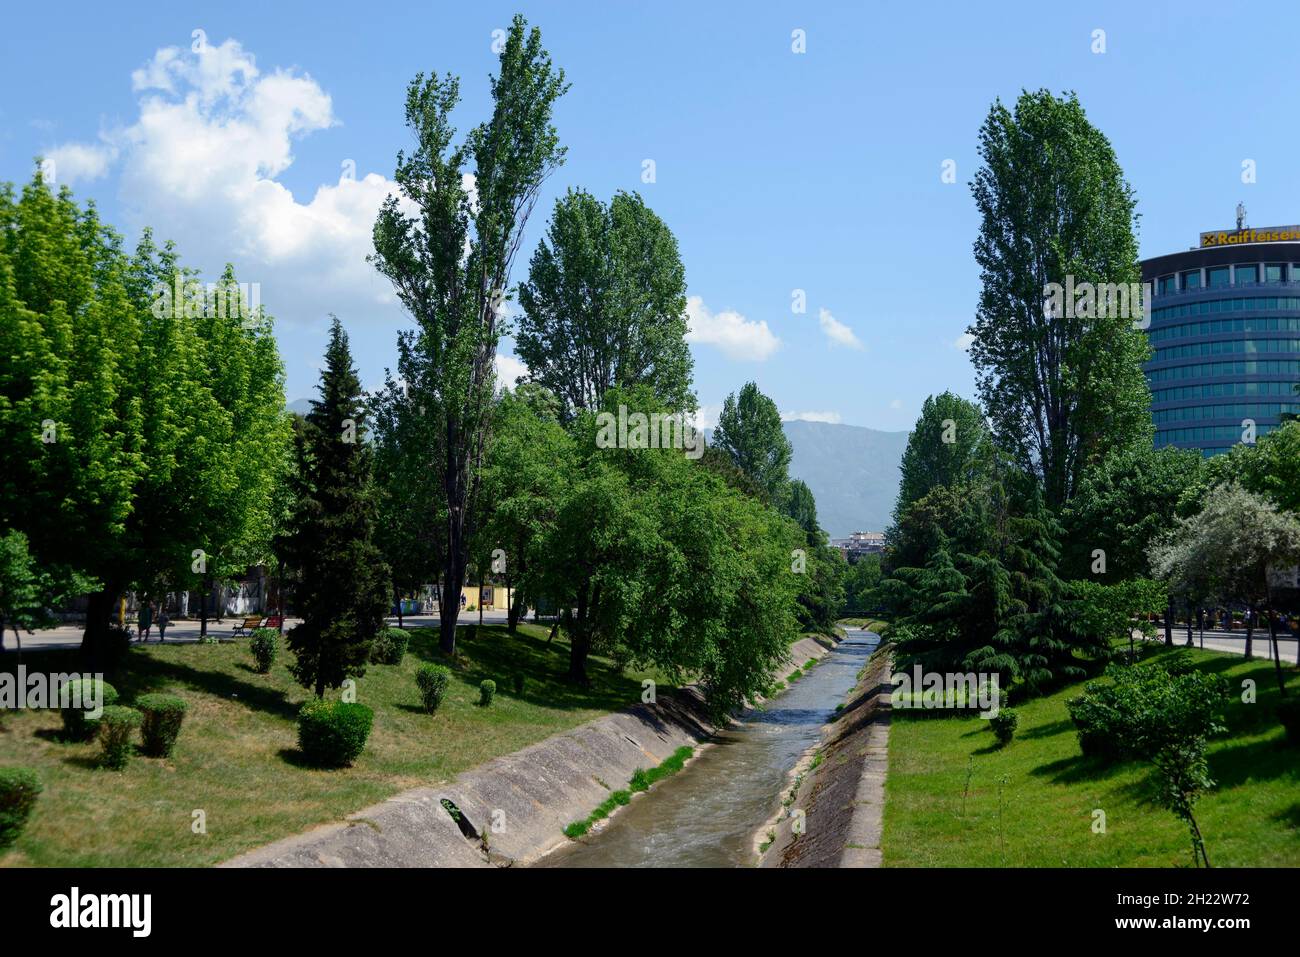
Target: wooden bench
274,621
248,626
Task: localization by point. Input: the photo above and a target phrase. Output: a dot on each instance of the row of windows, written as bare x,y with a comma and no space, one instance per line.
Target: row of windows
1249,304
1231,410
1210,370
1211,390
1254,324
1208,433
1219,277
1228,345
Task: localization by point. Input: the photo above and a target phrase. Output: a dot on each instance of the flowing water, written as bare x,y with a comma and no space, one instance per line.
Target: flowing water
707,814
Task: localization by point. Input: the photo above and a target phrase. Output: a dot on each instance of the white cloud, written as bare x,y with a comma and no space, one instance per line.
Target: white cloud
836,331
831,417
737,337
80,162
706,416
199,165
963,342
509,370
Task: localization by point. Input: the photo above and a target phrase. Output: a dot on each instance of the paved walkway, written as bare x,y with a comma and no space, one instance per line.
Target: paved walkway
69,636
1234,642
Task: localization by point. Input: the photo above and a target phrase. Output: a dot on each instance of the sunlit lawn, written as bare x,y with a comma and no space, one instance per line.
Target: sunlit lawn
237,757
1032,803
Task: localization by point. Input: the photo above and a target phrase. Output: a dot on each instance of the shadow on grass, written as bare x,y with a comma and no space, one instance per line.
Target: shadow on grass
1238,764
149,674
496,654
1048,730
1078,767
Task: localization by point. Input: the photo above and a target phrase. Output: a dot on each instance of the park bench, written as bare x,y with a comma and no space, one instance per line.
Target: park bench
247,626
274,621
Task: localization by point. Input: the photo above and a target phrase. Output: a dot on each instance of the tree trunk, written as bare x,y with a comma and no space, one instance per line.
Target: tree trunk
1189,627
1169,624
579,642
399,607
512,616
1250,629
1277,654
203,608
99,607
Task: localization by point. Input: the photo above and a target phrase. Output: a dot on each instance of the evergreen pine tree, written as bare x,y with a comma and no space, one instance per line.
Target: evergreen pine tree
343,590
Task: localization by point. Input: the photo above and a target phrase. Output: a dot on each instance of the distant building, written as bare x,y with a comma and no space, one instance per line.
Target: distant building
859,544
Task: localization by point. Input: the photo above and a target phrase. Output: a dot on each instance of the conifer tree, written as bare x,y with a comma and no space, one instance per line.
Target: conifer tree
343,590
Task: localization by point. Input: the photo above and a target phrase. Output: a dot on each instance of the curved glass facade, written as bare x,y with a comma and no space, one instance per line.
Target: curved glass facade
1225,337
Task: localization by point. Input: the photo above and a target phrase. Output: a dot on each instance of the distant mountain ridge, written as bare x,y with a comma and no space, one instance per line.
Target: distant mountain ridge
853,473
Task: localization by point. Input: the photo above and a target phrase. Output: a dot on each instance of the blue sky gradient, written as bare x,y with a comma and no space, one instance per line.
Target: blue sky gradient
777,171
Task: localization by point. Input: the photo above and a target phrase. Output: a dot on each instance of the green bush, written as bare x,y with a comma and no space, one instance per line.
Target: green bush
332,734
1148,708
1004,725
116,729
74,696
19,789
265,645
389,646
163,714
486,691
1288,712
432,681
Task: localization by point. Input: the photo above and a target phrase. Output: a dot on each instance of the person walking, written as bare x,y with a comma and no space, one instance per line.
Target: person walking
163,621
145,619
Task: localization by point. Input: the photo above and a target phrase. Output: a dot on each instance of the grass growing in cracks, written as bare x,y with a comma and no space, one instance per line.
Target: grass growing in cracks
641,781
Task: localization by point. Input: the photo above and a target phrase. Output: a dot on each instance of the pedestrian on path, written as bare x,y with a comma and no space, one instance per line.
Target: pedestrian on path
163,622
146,619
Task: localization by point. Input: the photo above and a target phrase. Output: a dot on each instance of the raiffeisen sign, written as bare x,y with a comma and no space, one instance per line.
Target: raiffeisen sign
1236,237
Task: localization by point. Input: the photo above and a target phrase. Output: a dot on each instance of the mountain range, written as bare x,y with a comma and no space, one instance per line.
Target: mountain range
853,473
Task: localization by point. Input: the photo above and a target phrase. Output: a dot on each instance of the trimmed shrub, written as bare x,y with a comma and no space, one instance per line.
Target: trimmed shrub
486,692
163,714
264,645
19,789
1288,712
116,729
74,699
432,681
332,734
1004,725
389,646
518,683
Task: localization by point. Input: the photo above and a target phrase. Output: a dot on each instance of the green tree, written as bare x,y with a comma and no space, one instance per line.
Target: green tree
1232,547
522,486
1061,381
949,445
749,431
343,591
450,261
1122,504
605,305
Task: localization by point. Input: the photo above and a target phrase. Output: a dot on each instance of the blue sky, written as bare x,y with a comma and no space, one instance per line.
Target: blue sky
776,170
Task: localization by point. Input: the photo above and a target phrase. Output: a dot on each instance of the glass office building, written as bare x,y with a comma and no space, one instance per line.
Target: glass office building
1225,333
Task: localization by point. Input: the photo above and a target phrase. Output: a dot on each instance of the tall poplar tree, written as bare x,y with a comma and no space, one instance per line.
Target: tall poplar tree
450,260
1061,386
750,432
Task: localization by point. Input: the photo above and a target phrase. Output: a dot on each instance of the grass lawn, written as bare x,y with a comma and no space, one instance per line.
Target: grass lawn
237,757
1031,803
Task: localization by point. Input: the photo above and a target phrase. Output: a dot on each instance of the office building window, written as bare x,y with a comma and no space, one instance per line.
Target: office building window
1219,276
1166,285
1275,272
1247,274
1192,279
